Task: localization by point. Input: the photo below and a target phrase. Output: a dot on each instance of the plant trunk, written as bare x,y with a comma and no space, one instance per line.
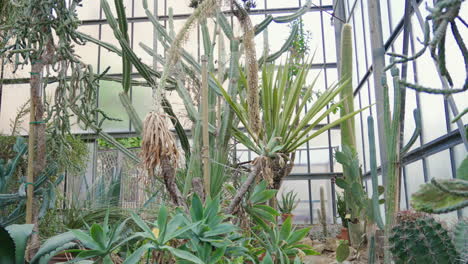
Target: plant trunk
36,149
205,134
169,178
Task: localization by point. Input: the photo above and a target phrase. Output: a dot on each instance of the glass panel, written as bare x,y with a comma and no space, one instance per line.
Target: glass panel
439,166
88,10
414,176
319,154
180,6
109,102
329,38
13,98
139,11
108,58
89,51
282,3
302,211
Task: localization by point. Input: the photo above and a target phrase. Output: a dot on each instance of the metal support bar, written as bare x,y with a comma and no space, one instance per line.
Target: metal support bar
227,13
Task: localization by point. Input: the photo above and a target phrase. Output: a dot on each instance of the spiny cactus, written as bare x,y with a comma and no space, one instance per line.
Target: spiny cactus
418,238
460,239
443,196
323,212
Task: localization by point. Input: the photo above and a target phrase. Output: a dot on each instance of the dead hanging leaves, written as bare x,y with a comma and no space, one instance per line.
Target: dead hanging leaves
158,142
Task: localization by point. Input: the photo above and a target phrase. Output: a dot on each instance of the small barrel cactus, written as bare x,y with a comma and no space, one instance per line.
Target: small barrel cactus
418,238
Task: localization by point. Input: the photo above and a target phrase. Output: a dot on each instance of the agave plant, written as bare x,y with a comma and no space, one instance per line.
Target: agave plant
288,202
281,244
14,238
285,127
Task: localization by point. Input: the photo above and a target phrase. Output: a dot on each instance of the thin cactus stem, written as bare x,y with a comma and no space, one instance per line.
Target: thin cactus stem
287,44
371,252
460,115
126,63
323,212
225,25
263,25
423,89
131,112
373,165
416,132
392,128
294,16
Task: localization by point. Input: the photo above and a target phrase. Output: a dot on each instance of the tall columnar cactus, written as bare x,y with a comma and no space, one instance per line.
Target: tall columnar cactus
348,137
346,76
323,212
392,125
418,238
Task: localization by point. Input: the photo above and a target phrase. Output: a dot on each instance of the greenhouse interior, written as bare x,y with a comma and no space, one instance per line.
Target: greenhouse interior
233,131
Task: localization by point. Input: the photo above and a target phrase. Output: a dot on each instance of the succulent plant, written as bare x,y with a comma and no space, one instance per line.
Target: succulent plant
288,202
460,237
418,238
342,251
323,212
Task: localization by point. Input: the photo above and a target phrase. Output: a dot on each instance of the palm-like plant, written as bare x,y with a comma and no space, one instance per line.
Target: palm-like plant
285,126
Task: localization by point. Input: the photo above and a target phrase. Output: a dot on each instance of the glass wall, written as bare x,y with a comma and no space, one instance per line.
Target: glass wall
439,149
437,152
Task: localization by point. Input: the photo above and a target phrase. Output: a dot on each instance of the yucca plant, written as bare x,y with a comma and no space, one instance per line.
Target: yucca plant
285,126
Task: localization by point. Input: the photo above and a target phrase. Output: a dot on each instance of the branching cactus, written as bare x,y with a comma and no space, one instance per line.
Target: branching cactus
418,238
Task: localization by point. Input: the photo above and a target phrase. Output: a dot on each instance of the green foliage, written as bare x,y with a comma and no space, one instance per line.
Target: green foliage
285,128
341,209
16,237
356,197
254,204
130,142
462,171
6,147
100,241
12,190
11,160
420,239
281,244
210,238
342,251
288,202
70,155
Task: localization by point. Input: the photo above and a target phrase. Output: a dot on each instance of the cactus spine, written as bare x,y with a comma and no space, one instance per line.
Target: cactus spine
418,238
323,213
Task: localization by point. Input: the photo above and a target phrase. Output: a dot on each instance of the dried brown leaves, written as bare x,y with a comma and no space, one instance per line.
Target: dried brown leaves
158,142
